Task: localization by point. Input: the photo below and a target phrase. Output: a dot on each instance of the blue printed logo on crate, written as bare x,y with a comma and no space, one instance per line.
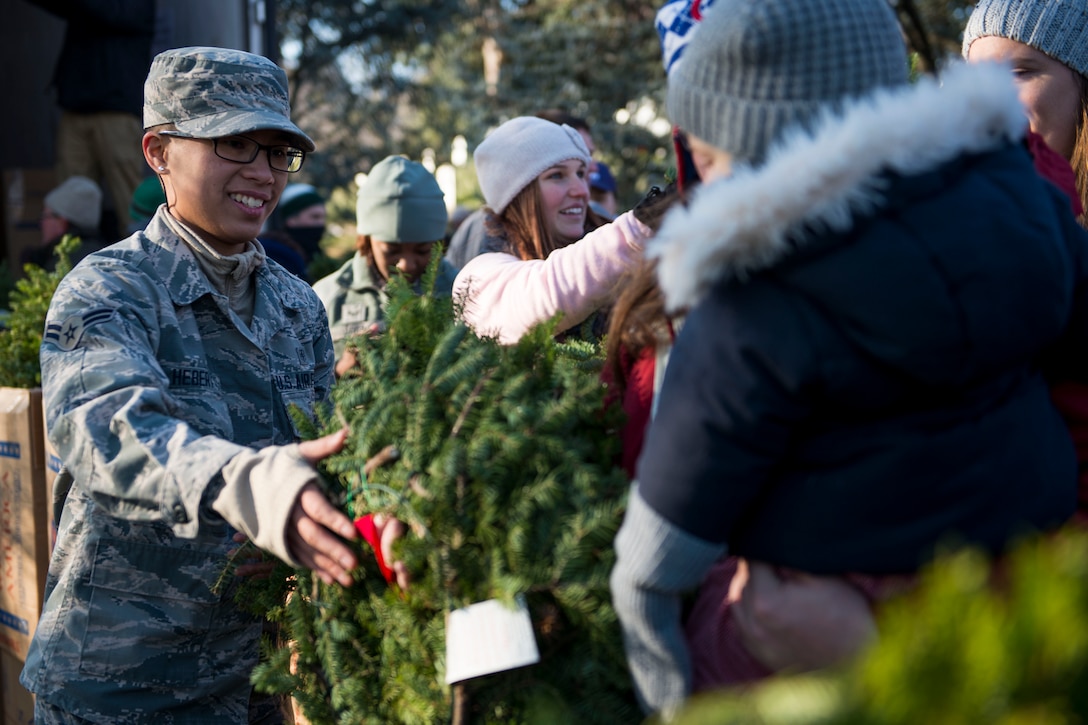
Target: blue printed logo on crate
10,449
19,624
53,462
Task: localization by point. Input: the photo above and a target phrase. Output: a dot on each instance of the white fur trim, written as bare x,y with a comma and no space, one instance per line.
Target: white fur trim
824,179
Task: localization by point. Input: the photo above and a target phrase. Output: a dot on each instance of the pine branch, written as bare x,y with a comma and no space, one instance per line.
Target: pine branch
503,462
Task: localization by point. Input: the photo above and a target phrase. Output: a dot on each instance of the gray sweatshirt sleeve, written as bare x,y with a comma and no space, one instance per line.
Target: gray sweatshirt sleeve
655,563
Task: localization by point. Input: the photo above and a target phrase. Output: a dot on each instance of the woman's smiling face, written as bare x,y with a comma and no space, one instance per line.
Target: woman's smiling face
1048,88
564,194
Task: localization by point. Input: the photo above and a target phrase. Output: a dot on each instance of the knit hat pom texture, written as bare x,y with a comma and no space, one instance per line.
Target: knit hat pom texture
757,68
1058,28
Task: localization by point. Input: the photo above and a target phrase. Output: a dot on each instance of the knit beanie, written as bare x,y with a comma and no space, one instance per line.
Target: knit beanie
1058,28
146,199
757,68
401,202
79,200
296,197
520,150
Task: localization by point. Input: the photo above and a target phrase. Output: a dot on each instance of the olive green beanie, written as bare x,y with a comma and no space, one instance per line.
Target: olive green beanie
401,202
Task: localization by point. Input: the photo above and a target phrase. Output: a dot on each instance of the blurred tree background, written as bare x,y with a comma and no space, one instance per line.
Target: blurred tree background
372,78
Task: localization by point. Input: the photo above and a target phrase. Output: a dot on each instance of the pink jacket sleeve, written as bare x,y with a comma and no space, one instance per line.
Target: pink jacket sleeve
504,296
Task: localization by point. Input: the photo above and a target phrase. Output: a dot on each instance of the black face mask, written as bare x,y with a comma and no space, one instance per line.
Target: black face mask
308,238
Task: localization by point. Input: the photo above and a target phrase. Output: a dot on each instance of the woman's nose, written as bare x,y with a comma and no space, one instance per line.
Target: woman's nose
410,267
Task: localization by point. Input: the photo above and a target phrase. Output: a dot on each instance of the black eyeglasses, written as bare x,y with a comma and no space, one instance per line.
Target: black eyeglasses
242,150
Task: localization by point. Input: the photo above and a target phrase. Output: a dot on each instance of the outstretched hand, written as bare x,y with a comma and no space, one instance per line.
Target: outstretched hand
315,528
390,529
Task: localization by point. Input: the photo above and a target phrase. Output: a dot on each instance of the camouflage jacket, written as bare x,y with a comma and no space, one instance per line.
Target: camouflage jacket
355,298
151,385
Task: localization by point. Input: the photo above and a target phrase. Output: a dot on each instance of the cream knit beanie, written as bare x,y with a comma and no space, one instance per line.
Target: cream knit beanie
79,200
520,150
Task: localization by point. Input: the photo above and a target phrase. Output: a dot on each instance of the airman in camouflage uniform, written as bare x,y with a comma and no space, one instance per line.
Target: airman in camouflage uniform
168,365
400,215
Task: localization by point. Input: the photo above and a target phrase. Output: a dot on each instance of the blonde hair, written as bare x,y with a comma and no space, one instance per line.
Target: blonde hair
1079,159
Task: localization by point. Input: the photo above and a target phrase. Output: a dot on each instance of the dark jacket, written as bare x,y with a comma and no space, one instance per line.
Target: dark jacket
472,239
106,53
859,380
45,256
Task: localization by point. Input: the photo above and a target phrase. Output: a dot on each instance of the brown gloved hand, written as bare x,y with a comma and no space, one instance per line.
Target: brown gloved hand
652,208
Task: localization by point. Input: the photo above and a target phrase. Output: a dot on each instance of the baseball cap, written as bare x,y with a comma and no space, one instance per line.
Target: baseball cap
601,178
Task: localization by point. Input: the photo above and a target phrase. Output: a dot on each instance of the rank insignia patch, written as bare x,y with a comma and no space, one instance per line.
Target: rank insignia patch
66,335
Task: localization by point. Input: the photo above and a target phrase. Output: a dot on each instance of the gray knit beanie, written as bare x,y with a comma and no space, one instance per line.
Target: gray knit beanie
755,68
1058,28
401,202
79,200
520,150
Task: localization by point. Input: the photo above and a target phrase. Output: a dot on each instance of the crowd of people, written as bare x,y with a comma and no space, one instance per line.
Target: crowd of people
853,328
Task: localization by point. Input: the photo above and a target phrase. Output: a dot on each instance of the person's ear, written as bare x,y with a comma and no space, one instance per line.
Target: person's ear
154,151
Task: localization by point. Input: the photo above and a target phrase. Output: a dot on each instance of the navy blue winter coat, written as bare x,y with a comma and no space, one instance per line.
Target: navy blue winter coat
860,377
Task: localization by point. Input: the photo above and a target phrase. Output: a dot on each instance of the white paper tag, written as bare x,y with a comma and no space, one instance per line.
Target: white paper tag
488,637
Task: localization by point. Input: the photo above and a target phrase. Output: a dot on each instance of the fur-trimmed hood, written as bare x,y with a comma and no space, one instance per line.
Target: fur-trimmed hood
823,180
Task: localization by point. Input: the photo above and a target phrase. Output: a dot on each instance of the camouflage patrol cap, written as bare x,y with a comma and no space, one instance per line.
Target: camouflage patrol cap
214,92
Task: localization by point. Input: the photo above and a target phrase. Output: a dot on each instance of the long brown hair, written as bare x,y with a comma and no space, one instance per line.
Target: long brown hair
637,321
1079,159
523,226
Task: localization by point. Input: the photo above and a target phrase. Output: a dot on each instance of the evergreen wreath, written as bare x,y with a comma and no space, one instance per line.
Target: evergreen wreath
502,460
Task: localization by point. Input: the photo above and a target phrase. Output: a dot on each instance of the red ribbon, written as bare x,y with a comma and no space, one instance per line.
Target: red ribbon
366,528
